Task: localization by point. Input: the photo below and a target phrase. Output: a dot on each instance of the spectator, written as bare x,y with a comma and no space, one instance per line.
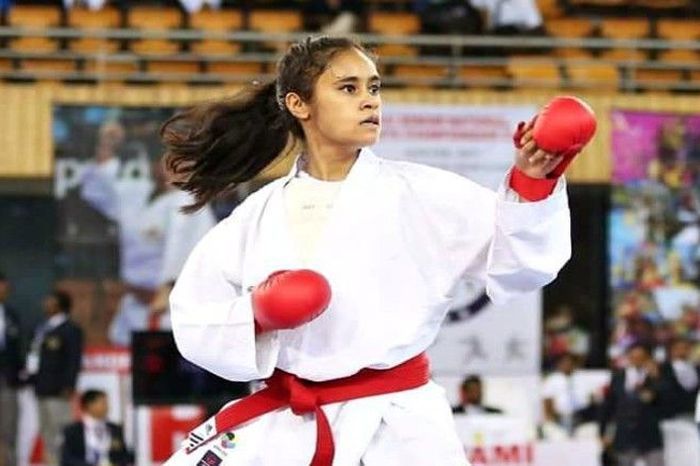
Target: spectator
10,365
52,365
193,6
566,401
455,17
632,406
94,441
680,378
510,17
471,394
333,16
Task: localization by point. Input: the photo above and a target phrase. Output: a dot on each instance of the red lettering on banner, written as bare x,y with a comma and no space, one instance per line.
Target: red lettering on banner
478,456
446,127
106,359
501,455
506,454
167,429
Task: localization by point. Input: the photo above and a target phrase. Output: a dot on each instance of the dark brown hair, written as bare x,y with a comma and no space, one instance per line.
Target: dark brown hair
212,147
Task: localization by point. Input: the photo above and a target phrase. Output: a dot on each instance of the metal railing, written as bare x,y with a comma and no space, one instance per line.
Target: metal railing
458,55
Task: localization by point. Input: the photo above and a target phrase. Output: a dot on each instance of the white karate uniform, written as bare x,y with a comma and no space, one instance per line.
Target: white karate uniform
399,238
155,238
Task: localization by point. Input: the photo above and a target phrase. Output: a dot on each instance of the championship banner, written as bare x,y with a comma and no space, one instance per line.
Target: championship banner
476,142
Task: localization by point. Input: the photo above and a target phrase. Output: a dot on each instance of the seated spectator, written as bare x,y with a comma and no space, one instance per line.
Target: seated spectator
455,17
471,398
567,403
334,17
510,17
94,441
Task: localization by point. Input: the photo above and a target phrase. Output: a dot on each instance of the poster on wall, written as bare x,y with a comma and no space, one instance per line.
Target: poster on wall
654,230
476,142
122,238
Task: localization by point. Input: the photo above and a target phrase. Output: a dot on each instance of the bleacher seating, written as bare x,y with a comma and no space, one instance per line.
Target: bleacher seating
87,20
218,21
394,24
600,50
34,16
154,19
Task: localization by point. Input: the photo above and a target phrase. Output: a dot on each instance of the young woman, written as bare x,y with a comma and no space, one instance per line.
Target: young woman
340,344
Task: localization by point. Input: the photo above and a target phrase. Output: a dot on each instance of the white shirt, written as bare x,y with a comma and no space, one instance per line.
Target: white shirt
97,440
522,13
34,356
568,393
399,239
634,377
192,6
686,373
309,202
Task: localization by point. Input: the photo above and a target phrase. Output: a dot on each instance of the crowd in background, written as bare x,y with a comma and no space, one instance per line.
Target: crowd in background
51,367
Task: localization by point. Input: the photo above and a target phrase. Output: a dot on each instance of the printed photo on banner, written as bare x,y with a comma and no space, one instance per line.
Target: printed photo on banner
654,230
122,236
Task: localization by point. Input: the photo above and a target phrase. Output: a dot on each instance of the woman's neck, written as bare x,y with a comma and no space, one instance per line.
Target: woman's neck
329,164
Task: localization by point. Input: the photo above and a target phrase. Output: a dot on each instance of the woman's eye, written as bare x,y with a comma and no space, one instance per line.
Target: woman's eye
349,88
375,89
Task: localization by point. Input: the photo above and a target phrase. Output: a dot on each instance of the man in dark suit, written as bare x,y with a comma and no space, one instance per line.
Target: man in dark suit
680,379
53,364
632,404
471,395
94,441
10,366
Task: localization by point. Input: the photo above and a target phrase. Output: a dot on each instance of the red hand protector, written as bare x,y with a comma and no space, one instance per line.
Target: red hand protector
290,298
563,127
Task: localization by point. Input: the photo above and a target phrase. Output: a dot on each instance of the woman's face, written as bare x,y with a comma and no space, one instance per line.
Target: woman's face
345,109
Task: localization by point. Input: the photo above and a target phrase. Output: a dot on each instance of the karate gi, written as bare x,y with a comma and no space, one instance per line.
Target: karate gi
399,238
155,238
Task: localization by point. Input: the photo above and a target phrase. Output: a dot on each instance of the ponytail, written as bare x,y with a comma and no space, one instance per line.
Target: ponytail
213,147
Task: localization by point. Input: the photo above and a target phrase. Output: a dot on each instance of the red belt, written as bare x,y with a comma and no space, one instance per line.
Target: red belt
304,396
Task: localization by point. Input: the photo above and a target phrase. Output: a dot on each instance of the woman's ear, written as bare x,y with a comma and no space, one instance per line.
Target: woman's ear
296,106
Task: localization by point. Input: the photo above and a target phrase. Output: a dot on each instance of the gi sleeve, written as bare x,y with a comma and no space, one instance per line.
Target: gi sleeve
99,187
183,233
492,239
212,316
531,242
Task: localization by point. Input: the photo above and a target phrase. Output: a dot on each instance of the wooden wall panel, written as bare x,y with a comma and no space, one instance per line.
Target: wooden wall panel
25,117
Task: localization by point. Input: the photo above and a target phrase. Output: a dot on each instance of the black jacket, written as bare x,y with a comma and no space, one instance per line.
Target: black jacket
675,399
73,449
11,355
636,414
60,360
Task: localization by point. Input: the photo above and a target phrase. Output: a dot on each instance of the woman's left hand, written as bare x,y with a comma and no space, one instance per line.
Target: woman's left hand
534,162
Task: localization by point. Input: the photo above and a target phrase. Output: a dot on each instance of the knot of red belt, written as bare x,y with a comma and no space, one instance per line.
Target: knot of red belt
304,397
302,400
